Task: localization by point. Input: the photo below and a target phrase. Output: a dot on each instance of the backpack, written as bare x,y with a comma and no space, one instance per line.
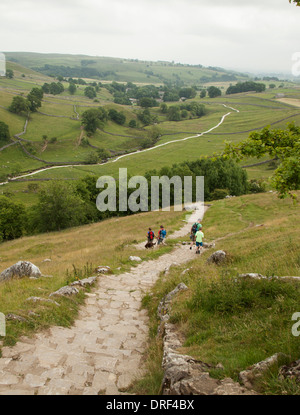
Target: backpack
195,228
162,233
151,235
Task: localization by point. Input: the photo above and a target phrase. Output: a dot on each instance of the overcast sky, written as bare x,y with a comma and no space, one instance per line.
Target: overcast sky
254,35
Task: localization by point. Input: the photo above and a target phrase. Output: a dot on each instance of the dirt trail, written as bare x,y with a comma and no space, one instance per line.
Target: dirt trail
103,352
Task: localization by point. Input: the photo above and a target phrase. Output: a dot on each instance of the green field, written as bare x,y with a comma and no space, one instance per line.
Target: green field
57,119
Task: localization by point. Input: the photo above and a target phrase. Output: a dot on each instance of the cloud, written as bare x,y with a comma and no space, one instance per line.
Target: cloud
258,34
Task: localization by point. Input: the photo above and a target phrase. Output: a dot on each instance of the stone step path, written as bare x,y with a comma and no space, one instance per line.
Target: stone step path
103,352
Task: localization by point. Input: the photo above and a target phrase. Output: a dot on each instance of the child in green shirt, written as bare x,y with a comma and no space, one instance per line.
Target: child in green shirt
199,238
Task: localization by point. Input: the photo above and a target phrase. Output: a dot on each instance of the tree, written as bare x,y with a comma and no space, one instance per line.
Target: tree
72,88
103,154
12,219
153,134
203,93
147,102
174,113
34,99
19,104
184,114
92,158
116,116
281,144
132,124
9,73
145,117
90,92
56,88
4,133
214,92
59,207
46,88
171,96
163,108
196,109
94,118
188,93
297,2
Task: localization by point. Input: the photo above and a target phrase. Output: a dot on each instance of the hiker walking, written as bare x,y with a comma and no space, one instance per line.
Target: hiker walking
161,235
194,229
199,240
150,235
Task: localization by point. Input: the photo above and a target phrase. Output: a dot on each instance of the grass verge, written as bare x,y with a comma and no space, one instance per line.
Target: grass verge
73,254
228,320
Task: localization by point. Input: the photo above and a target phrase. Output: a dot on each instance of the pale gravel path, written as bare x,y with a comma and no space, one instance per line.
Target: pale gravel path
103,352
124,155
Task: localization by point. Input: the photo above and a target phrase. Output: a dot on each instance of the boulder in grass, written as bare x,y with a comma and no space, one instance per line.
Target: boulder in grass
291,371
85,282
135,258
218,258
208,245
253,276
15,317
256,371
65,291
103,269
20,270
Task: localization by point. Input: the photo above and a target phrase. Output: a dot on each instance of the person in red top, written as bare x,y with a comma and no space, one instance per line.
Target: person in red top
150,235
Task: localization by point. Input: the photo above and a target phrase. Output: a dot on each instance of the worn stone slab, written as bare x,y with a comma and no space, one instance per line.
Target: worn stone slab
34,381
8,379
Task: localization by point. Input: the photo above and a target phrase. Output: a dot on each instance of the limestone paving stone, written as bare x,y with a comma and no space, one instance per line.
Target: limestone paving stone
103,379
102,352
125,380
8,379
34,381
23,365
18,349
4,362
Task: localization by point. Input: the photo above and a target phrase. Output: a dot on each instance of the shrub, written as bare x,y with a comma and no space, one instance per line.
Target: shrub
256,186
219,194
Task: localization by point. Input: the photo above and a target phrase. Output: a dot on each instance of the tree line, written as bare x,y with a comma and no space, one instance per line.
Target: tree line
74,72
245,87
63,204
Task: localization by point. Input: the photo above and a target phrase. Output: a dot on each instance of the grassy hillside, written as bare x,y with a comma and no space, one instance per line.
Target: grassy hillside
58,121
58,118
124,70
74,253
238,324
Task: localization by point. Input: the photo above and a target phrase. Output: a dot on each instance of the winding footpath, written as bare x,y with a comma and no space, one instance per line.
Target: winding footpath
129,154
104,351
